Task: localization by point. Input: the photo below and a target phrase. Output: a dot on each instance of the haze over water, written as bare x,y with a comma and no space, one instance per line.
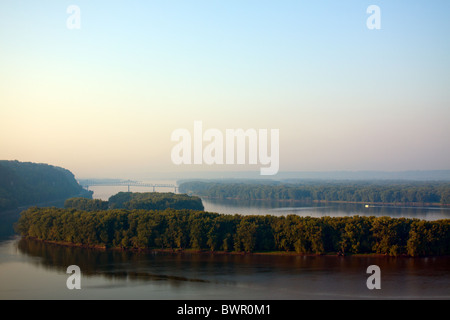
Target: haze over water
247,207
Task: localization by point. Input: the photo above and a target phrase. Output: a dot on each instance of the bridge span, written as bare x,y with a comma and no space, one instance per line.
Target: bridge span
125,183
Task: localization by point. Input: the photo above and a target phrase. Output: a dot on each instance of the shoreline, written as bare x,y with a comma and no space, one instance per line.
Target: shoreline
208,252
393,204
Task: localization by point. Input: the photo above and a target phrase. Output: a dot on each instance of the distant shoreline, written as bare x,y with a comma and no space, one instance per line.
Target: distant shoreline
394,204
222,253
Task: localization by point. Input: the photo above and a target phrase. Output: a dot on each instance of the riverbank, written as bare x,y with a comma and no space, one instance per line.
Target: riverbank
362,203
190,229
180,251
58,203
392,204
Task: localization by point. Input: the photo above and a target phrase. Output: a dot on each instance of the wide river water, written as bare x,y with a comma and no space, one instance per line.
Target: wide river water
291,207
34,270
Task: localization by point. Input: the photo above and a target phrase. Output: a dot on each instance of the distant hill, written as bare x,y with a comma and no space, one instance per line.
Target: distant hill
418,175
414,175
27,183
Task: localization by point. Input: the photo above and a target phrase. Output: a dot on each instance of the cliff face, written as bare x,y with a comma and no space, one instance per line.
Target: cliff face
25,183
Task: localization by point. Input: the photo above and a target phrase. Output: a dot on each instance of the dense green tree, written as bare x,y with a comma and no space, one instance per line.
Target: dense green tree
358,191
144,229
26,183
245,238
154,201
86,204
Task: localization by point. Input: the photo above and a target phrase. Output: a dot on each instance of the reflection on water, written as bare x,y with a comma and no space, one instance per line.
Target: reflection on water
108,263
134,275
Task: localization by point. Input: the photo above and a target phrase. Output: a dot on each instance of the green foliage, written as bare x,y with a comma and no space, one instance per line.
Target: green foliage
360,191
86,204
391,235
154,201
137,201
24,183
427,238
143,229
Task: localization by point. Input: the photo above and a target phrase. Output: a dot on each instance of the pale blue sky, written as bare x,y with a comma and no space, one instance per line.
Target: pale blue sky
104,99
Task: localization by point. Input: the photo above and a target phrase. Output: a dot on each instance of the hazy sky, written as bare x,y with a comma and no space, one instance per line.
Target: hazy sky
103,100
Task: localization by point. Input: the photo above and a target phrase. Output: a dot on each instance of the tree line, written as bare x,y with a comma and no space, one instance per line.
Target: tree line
199,230
361,191
136,200
25,183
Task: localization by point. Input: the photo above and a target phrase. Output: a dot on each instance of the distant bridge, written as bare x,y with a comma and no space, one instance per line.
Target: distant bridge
125,183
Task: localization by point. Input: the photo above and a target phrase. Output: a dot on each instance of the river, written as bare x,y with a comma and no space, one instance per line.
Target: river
248,207
35,270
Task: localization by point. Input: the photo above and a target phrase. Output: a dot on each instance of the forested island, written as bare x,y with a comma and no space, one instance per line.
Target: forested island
168,221
136,200
26,183
371,192
199,230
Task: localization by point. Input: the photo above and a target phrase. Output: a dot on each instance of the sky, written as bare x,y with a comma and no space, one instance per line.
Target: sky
102,100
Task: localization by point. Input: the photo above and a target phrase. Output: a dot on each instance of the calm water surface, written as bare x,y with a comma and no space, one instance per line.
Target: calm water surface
278,208
290,207
34,270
